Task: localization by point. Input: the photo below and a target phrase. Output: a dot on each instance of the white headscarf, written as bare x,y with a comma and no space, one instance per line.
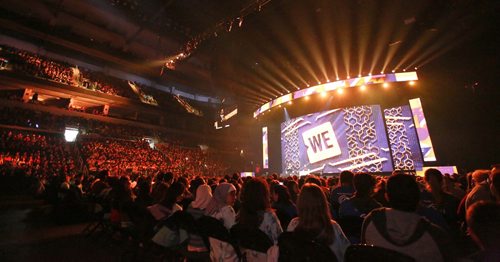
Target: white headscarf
203,197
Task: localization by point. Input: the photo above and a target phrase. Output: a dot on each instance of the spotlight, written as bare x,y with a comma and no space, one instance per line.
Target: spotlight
70,134
359,75
338,79
404,70
323,94
416,68
369,74
279,106
340,90
328,80
319,83
363,88
348,77
381,72
307,85
393,71
412,83
307,98
290,102
385,85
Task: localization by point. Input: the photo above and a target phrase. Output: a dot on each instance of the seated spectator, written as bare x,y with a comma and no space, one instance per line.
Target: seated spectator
168,205
401,229
197,210
483,219
221,204
481,190
341,193
285,208
256,209
293,189
451,187
361,203
353,210
314,221
143,192
379,192
445,203
99,184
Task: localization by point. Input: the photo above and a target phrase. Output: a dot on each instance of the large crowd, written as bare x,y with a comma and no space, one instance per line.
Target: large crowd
182,200
46,121
43,67
159,197
293,214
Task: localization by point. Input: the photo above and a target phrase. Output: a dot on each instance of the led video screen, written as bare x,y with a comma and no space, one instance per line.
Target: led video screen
265,148
351,138
422,131
403,138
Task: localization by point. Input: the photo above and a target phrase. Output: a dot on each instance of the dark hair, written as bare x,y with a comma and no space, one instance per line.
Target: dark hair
254,200
143,186
173,192
403,192
346,177
282,192
195,183
168,177
483,219
314,214
313,179
363,184
183,180
291,185
432,172
102,175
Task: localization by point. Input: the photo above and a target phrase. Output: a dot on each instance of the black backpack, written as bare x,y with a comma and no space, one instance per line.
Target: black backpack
294,247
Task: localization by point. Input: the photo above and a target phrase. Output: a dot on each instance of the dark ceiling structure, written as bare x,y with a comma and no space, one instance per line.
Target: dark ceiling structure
277,47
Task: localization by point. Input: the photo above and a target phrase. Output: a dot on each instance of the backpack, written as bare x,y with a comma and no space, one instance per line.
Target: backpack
294,247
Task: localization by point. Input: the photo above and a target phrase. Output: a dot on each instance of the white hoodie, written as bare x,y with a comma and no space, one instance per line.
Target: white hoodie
407,233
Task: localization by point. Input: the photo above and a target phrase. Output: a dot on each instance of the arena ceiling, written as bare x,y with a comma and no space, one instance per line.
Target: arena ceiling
253,50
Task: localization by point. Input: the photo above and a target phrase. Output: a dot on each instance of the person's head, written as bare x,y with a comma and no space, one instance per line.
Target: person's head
255,195
224,195
479,176
280,194
346,178
195,183
168,177
434,179
402,192
144,186
173,195
495,184
363,184
314,214
330,182
313,179
483,219
102,175
203,197
254,200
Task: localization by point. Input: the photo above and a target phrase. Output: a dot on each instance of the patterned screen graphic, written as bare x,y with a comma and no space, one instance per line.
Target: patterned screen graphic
403,138
351,138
